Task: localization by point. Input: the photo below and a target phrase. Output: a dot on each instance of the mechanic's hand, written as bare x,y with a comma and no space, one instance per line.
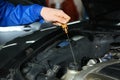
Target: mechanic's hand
57,17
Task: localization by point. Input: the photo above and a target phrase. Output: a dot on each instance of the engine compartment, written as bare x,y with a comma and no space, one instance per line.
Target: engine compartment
52,63
50,57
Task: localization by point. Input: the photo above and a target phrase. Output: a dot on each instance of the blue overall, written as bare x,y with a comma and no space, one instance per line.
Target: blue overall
11,15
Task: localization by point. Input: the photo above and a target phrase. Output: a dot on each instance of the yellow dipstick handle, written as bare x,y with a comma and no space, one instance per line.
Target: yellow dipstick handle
65,28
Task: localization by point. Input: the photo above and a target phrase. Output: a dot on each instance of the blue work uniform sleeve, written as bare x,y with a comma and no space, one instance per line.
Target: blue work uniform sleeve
11,15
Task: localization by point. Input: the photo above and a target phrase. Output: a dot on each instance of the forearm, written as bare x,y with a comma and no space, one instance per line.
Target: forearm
19,15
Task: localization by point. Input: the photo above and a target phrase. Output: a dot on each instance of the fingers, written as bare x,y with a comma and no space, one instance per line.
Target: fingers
65,16
57,23
61,17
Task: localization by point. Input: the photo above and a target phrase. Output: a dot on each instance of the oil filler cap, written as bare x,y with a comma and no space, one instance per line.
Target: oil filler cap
73,66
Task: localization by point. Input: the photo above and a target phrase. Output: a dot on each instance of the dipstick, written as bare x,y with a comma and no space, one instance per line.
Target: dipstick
65,28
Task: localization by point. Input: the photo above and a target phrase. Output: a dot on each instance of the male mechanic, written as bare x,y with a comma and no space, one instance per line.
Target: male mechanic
11,15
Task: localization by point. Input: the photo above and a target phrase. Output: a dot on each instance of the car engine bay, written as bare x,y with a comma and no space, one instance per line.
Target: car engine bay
97,56
56,61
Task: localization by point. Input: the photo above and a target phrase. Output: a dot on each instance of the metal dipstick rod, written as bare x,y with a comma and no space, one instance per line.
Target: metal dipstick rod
65,28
